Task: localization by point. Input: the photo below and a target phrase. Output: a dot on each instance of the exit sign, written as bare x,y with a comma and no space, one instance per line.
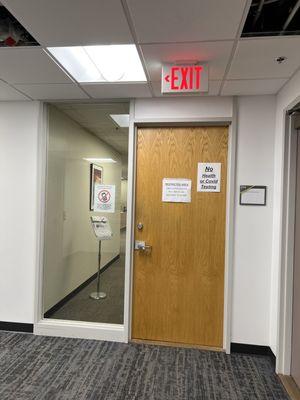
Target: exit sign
184,78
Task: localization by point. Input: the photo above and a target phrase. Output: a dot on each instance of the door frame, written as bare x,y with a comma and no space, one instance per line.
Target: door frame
136,123
286,281
54,327
122,333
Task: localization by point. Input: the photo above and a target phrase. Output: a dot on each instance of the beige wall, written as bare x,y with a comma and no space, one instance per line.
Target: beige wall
123,194
70,245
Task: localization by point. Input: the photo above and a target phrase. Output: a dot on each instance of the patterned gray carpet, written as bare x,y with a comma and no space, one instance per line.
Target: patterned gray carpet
50,368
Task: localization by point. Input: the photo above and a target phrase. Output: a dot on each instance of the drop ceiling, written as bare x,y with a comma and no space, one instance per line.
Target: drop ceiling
168,31
96,119
272,17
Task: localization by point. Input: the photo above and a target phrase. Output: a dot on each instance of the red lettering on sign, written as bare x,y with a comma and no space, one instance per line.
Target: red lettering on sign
184,77
184,72
198,70
191,78
174,78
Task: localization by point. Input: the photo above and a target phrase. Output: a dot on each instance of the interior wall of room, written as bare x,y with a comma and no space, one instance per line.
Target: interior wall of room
183,107
253,224
71,249
19,147
123,193
19,127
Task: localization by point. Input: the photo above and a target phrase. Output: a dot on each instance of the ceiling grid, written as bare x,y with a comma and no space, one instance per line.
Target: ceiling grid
165,31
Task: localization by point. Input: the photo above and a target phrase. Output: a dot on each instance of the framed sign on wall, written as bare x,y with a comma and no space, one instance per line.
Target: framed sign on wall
253,195
96,178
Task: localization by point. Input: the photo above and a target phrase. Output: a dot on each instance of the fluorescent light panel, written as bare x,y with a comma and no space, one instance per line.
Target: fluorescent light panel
111,63
122,120
100,160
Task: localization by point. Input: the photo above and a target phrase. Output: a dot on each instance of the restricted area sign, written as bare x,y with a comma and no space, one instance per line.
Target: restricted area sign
104,198
184,78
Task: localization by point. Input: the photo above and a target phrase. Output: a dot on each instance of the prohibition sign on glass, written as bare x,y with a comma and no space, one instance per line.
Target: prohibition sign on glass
104,196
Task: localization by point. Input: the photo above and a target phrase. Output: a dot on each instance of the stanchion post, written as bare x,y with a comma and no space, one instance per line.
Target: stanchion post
98,295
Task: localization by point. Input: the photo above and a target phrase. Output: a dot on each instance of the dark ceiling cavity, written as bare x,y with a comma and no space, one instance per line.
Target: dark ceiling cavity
12,33
273,18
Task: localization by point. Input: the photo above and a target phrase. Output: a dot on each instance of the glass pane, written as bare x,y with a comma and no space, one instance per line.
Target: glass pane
86,200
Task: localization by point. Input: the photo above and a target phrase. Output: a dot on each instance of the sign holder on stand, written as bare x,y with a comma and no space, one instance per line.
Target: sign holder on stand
102,231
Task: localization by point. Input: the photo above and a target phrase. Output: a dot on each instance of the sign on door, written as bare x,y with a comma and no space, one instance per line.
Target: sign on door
176,190
209,177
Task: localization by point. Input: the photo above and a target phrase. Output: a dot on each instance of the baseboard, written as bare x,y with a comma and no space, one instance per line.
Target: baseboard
252,349
16,327
290,386
69,296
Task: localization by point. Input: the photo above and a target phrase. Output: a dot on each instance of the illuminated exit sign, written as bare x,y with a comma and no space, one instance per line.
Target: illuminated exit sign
184,78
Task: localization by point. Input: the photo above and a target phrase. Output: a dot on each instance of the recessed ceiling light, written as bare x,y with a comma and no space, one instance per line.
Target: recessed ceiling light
100,160
111,63
122,120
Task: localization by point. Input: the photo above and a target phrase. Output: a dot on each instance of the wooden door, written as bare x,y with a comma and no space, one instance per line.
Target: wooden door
178,287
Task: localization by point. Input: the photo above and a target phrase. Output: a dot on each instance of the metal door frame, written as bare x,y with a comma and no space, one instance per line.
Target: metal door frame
230,207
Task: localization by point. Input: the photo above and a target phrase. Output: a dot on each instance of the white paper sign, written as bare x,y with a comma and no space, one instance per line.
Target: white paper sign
253,195
104,198
209,177
176,190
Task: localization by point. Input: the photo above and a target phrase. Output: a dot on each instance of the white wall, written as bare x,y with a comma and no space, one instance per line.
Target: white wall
18,158
123,193
71,249
287,97
18,203
188,107
253,224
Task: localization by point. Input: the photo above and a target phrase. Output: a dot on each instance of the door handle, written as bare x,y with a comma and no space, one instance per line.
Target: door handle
146,247
142,246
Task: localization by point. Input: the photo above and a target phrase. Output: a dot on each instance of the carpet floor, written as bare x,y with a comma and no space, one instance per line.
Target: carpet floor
48,368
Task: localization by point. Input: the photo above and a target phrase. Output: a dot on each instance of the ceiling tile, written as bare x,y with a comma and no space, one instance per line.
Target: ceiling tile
184,21
255,58
252,87
72,22
96,116
118,90
214,87
217,54
29,65
8,93
53,91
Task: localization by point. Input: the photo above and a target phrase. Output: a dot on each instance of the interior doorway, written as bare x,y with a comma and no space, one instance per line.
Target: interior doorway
178,275
295,342
289,319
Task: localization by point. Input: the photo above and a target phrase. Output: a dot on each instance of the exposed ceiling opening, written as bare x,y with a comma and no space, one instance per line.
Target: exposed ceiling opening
12,33
273,18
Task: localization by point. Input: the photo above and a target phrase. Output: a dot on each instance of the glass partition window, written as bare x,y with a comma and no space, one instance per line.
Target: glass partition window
86,205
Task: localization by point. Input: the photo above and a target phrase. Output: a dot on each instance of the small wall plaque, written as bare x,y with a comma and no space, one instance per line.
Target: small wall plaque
252,195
